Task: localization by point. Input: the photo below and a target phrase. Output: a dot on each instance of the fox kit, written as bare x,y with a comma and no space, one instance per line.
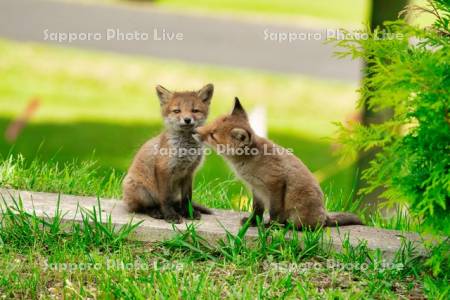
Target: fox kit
279,181
159,180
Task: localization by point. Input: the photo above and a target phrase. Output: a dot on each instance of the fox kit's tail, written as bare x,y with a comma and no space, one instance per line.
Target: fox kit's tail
342,219
201,208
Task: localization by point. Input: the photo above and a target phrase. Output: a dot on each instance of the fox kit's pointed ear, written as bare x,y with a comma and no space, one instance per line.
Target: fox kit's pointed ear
238,110
206,93
164,94
243,137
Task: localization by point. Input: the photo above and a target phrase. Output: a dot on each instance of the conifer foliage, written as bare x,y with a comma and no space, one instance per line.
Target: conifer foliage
408,74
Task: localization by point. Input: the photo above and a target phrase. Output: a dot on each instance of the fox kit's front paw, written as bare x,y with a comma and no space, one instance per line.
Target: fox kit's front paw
155,212
188,211
251,220
196,215
170,215
173,218
191,214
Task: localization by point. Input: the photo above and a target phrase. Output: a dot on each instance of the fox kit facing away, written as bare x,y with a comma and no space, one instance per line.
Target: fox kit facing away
159,180
279,181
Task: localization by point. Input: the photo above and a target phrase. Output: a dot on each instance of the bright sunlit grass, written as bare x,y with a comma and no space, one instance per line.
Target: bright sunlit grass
342,12
311,13
80,85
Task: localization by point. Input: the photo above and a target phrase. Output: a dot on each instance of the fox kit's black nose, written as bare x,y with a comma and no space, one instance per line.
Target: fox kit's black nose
187,120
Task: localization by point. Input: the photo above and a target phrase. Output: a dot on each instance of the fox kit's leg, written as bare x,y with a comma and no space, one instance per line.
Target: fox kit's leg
277,204
187,208
258,211
276,213
167,201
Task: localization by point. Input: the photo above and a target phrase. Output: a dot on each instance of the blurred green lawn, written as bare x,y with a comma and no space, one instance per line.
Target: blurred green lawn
105,103
318,13
342,11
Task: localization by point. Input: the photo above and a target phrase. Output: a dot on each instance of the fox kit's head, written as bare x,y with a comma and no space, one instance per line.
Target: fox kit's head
183,111
228,132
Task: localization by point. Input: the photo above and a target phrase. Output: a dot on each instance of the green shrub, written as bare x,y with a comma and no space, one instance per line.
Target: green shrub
410,76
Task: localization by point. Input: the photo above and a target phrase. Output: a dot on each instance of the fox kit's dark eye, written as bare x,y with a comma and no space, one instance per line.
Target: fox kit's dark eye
177,111
195,111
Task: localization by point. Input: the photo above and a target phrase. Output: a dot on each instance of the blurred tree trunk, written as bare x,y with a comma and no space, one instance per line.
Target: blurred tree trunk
385,10
381,11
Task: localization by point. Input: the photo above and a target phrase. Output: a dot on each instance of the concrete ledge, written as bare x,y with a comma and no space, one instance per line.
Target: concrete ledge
210,227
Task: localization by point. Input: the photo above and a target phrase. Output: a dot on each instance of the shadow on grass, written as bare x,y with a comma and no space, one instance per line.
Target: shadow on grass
114,144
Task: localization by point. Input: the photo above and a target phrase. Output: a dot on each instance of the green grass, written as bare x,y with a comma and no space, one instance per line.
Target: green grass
319,12
76,178
87,178
105,103
45,259
342,12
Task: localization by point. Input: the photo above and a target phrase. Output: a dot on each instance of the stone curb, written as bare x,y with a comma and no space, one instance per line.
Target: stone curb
210,227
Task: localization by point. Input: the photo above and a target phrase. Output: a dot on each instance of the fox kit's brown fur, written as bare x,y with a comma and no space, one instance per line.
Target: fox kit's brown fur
279,181
159,181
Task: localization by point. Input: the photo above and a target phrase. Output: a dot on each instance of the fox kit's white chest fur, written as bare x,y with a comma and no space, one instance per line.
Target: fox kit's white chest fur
185,153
